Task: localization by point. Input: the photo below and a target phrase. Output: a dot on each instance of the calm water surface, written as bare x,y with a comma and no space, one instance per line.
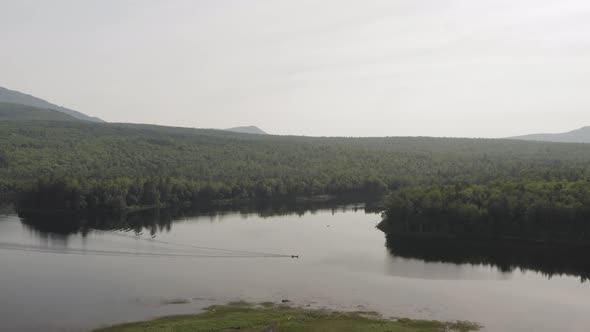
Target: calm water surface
67,280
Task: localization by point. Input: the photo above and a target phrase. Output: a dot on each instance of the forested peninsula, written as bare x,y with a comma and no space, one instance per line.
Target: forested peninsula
555,211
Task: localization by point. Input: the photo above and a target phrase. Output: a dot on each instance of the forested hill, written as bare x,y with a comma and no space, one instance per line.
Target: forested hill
15,97
197,164
581,135
16,112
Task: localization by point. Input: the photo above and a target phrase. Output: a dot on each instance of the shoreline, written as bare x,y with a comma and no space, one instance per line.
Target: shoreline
213,204
370,203
268,316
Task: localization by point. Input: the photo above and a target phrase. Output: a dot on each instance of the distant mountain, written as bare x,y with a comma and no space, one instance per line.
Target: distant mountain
581,135
248,130
19,112
15,97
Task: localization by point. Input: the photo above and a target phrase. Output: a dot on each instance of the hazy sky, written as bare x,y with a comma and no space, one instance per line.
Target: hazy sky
485,68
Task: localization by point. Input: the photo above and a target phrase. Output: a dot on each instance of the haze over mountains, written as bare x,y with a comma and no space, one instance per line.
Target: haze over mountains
248,130
18,106
581,135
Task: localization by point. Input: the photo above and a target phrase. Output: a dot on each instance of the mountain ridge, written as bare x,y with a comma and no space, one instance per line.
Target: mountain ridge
247,130
17,97
20,112
580,135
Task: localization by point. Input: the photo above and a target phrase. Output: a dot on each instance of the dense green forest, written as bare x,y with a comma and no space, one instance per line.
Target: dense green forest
546,211
76,165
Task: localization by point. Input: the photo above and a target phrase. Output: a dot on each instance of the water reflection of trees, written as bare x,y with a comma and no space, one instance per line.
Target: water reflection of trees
154,221
549,260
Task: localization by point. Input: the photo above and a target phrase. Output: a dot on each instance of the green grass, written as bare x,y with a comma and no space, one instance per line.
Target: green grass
234,317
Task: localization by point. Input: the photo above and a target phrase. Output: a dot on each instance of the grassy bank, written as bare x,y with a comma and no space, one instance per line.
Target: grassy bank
241,317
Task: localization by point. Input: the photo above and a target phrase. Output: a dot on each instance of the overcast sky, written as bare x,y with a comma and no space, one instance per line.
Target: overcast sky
485,68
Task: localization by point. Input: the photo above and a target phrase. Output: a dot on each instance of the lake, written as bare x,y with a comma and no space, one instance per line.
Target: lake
73,277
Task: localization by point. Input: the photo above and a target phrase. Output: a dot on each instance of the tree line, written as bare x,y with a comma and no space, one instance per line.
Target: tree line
80,195
92,166
545,211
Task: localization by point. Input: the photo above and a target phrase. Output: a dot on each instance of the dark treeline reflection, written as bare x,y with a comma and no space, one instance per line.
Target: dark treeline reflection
160,220
155,220
507,256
